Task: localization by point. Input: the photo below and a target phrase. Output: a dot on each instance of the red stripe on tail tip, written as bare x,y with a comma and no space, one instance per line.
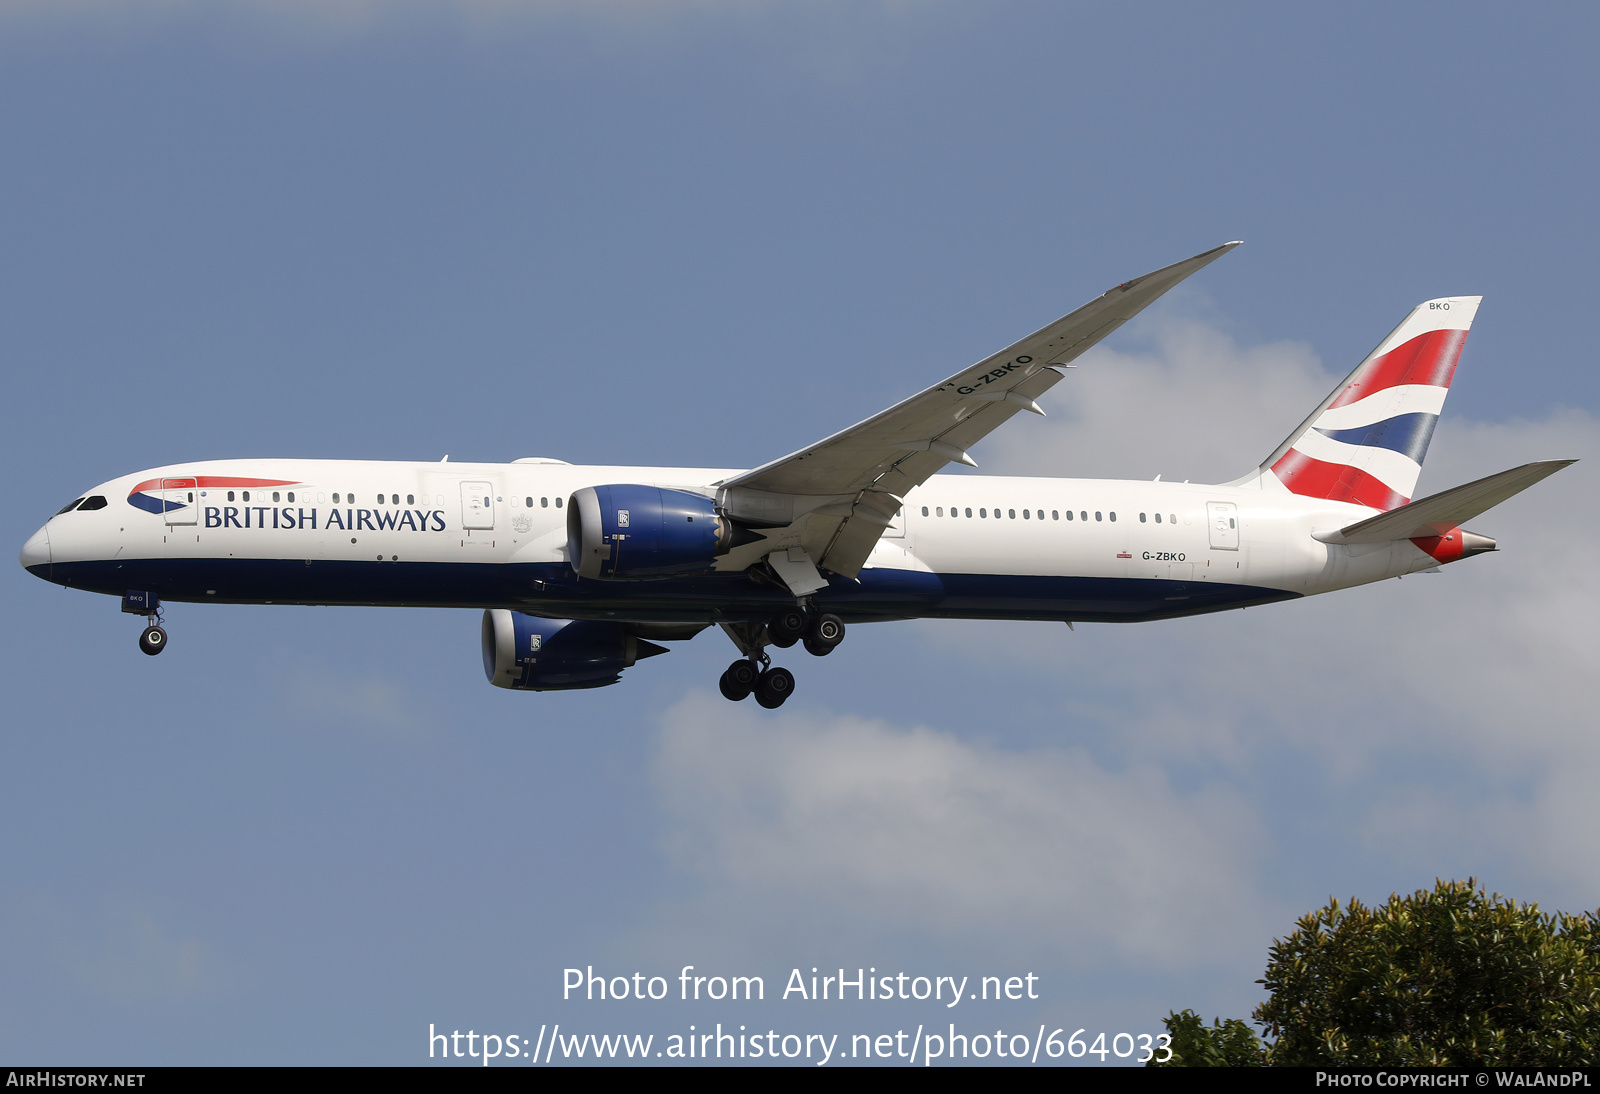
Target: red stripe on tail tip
1426,359
1314,478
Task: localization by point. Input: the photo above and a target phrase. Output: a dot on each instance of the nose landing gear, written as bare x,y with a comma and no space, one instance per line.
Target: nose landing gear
147,604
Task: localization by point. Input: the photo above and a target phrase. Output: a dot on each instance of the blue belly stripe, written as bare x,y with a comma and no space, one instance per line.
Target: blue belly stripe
551,589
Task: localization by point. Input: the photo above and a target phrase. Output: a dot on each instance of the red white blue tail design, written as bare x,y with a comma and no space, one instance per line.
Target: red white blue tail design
1366,442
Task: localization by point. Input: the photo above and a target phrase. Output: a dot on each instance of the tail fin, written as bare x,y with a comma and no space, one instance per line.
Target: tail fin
1366,442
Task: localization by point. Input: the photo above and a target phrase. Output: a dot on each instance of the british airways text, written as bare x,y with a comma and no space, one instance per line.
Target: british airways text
373,520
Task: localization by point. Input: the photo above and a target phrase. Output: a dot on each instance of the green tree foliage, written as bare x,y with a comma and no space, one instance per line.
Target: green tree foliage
1447,977
1222,1044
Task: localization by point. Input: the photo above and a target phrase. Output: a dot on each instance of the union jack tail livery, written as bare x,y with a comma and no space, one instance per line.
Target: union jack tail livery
1366,442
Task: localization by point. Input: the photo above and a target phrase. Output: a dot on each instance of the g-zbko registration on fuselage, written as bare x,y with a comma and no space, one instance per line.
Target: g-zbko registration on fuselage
582,570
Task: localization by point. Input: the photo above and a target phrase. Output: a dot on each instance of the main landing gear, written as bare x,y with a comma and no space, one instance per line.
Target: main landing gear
754,674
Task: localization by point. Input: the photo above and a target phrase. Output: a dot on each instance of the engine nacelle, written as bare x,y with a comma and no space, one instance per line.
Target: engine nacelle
526,653
626,532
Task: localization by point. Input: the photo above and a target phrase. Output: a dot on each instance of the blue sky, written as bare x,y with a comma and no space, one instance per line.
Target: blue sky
709,233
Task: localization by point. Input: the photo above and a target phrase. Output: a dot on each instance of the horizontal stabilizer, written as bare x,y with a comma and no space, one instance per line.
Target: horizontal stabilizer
1448,509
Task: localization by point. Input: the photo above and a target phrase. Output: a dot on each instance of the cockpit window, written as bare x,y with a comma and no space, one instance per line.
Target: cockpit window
69,507
95,502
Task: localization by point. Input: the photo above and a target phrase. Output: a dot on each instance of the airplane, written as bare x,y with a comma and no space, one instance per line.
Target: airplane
581,571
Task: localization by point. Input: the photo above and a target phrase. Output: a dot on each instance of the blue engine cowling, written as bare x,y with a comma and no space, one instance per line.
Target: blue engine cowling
627,532
526,653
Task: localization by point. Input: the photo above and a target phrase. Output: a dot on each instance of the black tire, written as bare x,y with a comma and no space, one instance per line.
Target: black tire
817,649
153,640
826,630
787,627
739,680
775,686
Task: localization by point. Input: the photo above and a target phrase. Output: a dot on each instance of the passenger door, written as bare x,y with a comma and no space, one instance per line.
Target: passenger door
1223,519
179,499
477,505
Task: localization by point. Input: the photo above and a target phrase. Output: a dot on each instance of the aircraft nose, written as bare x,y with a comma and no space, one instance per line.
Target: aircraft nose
36,552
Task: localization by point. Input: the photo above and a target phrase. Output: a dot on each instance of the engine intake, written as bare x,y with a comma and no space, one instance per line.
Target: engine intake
628,532
527,653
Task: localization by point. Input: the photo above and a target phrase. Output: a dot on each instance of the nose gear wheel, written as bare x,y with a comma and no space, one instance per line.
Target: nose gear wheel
153,640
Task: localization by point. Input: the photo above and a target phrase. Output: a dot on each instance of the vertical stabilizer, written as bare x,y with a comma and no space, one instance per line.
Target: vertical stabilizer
1366,442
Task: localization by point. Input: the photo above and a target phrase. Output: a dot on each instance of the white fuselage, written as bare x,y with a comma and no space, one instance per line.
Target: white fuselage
509,521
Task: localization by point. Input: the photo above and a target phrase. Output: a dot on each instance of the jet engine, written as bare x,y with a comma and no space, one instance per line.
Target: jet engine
526,653
625,532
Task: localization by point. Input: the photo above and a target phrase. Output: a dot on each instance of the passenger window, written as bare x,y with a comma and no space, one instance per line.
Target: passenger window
335,498
983,512
411,499
1013,513
274,495
1113,518
924,510
1041,514
544,503
247,495
1055,514
1158,518
1172,518
969,512
291,495
939,510
69,507
558,503
92,503
1230,519
1083,514
1024,514
230,496
529,502
1141,518
1097,514
1069,514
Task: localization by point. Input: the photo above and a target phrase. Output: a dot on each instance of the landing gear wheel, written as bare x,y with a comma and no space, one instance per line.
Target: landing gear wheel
787,627
815,648
774,686
826,630
153,640
739,680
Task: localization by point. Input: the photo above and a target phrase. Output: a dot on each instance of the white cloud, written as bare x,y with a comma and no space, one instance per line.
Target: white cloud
809,817
1194,406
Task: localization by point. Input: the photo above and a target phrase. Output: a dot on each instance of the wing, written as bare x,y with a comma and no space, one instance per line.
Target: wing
849,485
